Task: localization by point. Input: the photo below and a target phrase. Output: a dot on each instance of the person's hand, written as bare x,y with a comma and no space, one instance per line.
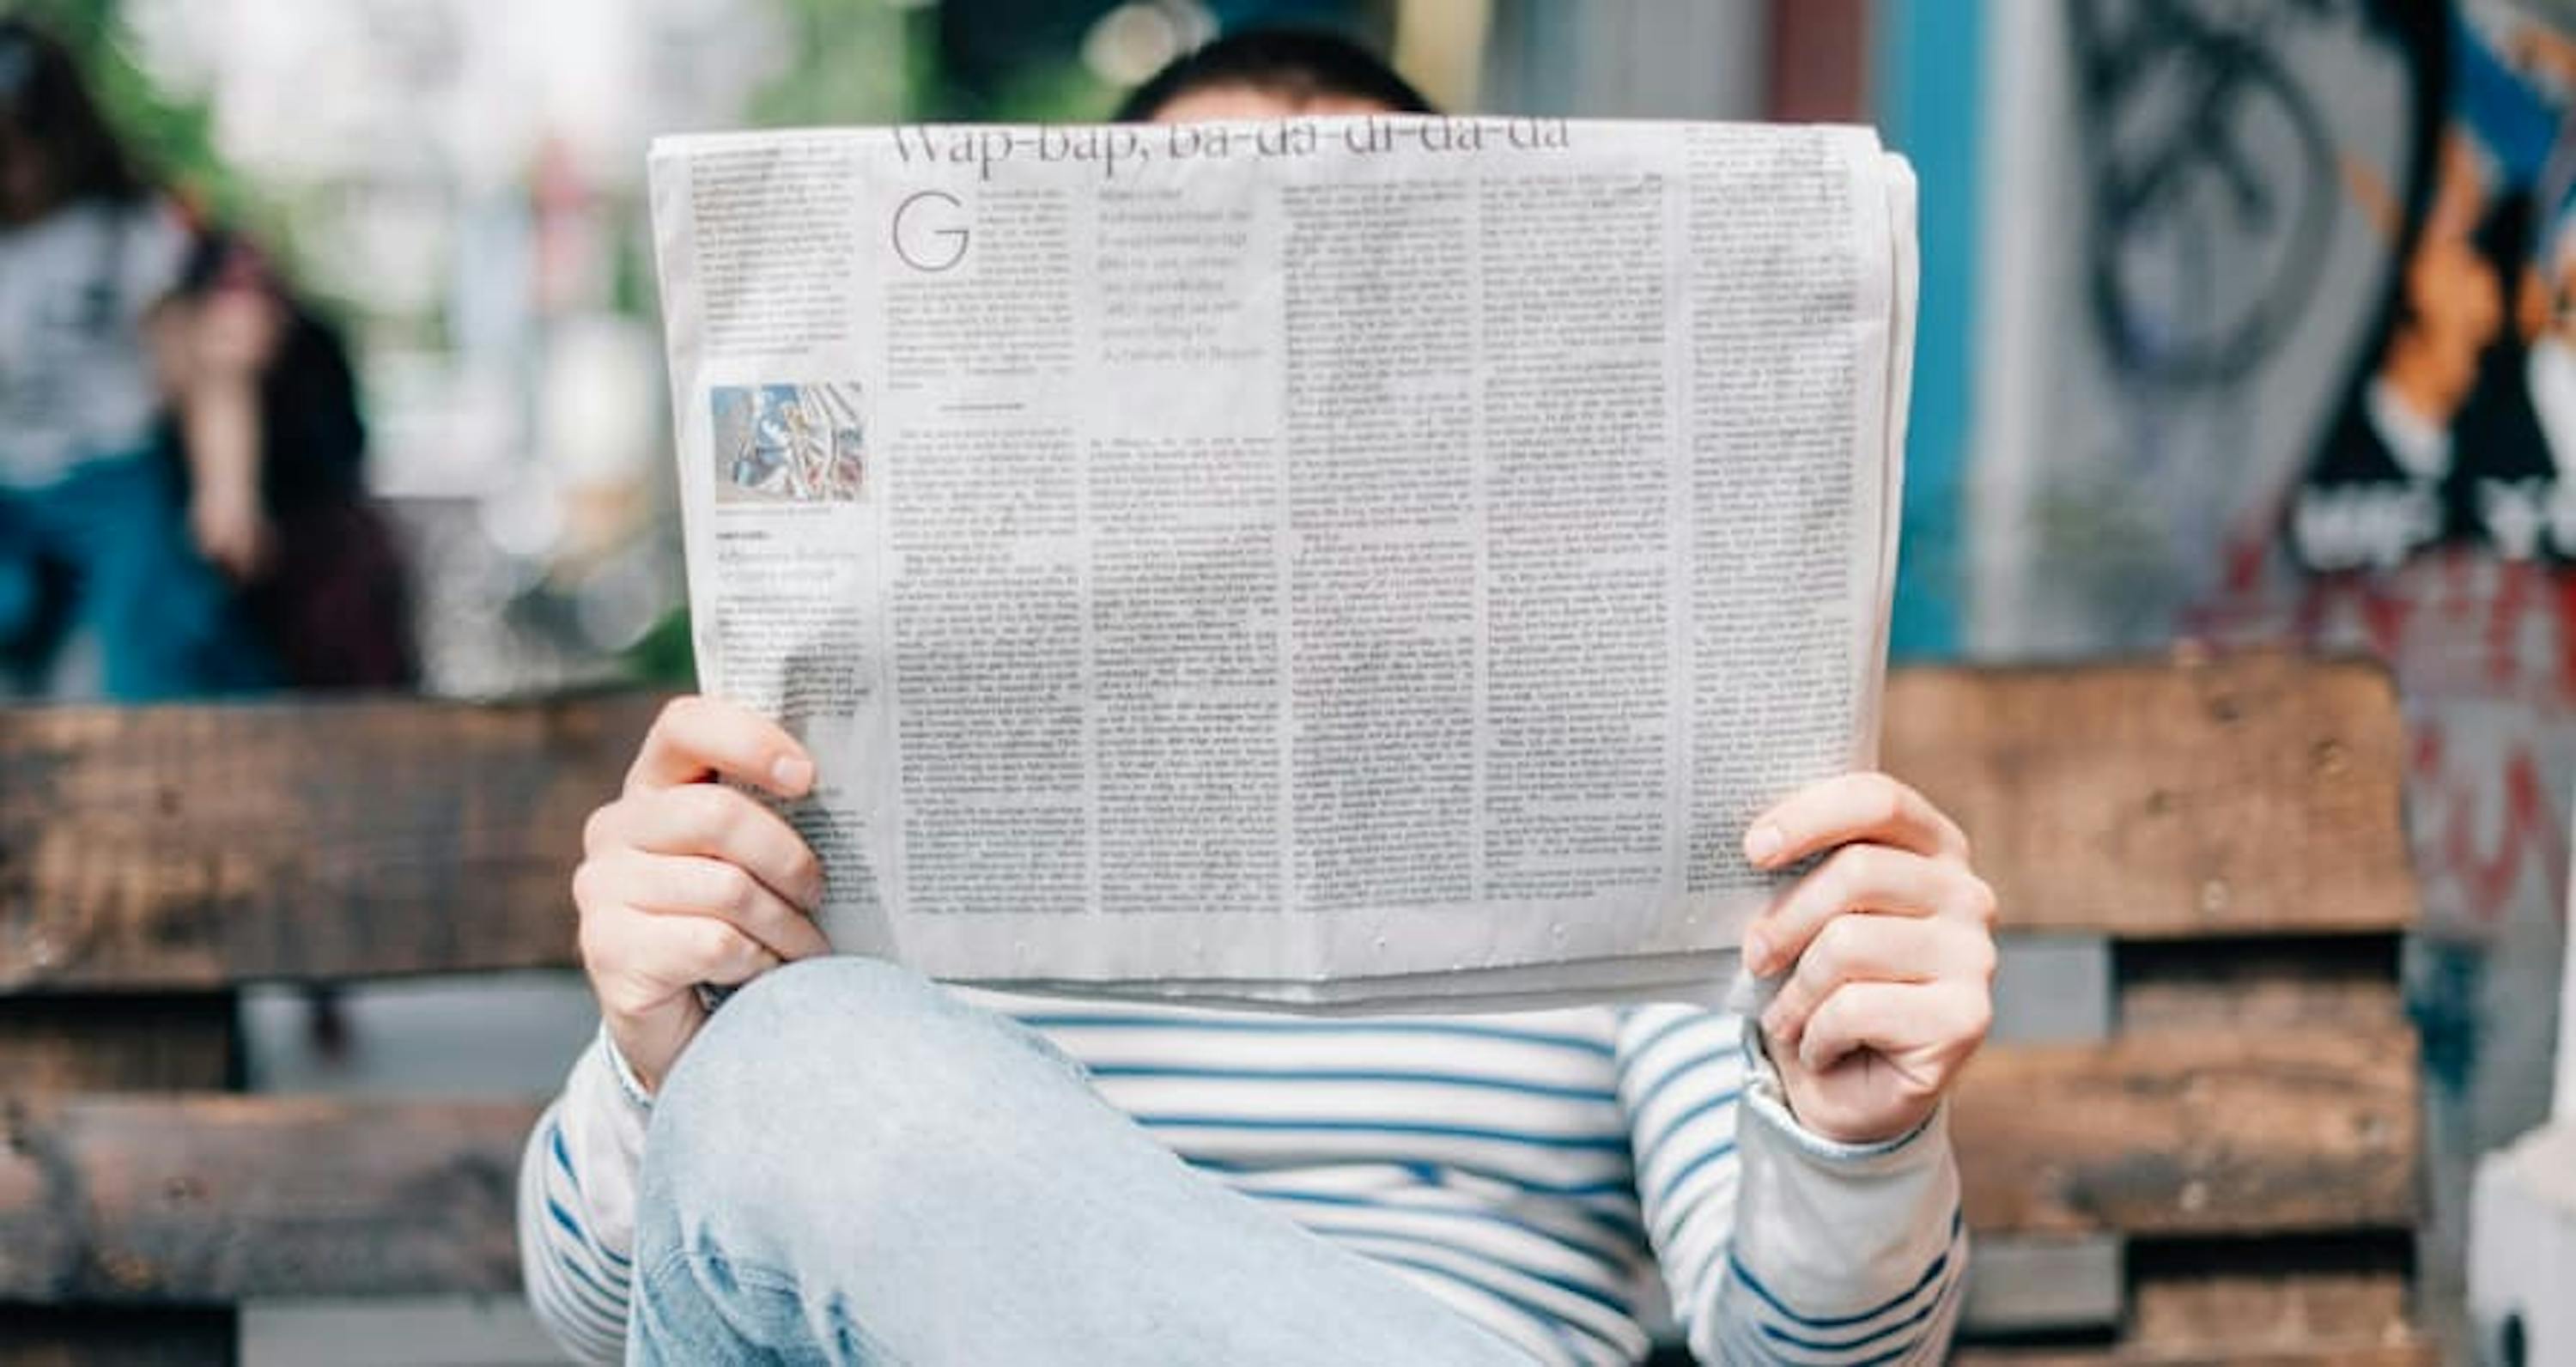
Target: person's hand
685,881
232,531
1889,950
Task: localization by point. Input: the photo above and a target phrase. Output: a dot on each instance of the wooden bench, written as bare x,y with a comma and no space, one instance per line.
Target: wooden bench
2207,1147
2198,1143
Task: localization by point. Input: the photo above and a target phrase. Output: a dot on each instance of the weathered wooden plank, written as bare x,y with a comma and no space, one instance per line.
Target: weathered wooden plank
2323,1299
178,847
2243,795
136,1199
2209,1295
168,1041
203,1197
2200,1132
2342,982
160,1042
196,846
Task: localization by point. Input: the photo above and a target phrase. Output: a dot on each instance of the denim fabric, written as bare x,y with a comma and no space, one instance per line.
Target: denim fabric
851,1166
105,550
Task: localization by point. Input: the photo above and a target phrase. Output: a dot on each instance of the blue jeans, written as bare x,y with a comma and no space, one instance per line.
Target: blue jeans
105,550
851,1166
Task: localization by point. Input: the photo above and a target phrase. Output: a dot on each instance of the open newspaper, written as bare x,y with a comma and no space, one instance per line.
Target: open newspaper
1346,562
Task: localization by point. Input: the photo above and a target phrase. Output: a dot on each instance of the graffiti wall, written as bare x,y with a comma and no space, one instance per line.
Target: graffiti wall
2307,306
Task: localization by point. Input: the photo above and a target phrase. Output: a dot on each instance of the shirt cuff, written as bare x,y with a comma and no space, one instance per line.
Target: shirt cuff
627,1083
1833,1229
1766,1097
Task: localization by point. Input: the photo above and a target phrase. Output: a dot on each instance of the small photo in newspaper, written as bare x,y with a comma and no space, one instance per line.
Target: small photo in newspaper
790,443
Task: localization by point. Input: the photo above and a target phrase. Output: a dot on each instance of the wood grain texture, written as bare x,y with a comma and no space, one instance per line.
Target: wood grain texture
2208,1294
2341,982
195,846
2205,1132
2251,794
163,1042
142,1199
133,1198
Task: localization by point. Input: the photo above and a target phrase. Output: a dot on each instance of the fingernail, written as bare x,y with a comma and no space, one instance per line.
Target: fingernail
1762,842
792,773
1757,952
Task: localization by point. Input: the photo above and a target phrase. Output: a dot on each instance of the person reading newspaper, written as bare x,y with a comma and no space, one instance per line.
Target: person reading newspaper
844,1162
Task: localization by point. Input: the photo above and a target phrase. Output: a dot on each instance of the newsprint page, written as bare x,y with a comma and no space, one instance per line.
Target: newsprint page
1356,563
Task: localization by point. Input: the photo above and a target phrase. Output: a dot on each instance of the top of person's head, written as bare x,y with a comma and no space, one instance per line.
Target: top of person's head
51,127
1300,69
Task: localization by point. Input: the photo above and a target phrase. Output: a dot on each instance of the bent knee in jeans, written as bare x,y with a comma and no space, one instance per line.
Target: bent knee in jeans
843,1081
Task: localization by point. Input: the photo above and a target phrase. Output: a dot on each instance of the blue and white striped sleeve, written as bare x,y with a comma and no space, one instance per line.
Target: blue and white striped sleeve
577,1185
1779,1245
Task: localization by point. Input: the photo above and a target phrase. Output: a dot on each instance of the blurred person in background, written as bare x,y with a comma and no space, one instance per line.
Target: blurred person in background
323,578
96,545
847,1163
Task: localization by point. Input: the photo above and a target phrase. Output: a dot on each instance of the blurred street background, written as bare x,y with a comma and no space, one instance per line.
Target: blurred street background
460,184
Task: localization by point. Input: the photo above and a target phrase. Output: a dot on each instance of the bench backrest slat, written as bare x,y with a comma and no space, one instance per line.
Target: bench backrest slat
2258,795
202,846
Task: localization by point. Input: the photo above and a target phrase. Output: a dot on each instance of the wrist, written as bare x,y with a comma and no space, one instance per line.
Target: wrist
648,1045
630,1083
1845,1150
1780,1086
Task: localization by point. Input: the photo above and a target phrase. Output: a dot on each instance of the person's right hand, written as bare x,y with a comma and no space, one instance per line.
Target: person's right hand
685,881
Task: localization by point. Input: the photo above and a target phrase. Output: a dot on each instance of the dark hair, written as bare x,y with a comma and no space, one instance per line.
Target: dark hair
313,434
43,98
1295,64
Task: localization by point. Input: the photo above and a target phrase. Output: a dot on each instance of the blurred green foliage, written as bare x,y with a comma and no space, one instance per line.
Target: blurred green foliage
170,135
845,63
664,656
1060,92
879,61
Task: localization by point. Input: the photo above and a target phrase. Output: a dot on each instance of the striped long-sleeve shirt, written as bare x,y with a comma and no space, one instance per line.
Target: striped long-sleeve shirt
1534,1171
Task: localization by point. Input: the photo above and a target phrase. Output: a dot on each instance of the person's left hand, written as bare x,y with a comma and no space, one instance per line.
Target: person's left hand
1889,951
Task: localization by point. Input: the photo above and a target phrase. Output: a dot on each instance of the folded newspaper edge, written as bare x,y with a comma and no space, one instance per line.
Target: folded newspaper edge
1331,565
